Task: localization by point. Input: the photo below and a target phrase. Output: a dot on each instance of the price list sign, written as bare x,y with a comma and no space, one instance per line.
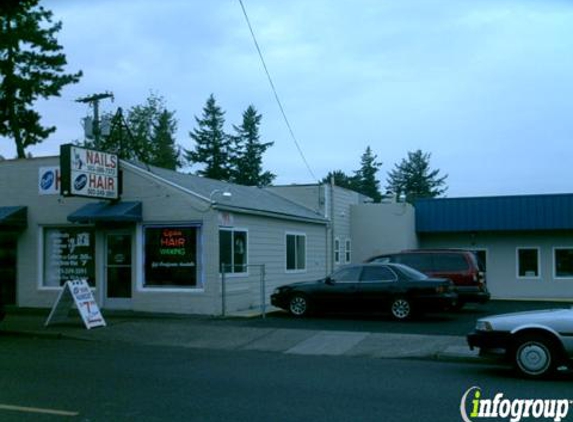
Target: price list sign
69,255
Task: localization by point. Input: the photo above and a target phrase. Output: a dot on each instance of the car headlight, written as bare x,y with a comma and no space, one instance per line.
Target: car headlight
483,326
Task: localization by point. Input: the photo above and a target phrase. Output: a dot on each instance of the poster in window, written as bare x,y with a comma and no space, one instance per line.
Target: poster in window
171,256
69,254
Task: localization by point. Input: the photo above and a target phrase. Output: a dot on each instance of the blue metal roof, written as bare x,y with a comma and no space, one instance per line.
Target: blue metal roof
501,213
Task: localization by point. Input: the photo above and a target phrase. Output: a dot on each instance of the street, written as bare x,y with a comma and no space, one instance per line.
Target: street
101,381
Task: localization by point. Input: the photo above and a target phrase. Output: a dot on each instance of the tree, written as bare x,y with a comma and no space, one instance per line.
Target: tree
31,67
340,179
165,153
248,150
365,180
212,144
146,134
414,179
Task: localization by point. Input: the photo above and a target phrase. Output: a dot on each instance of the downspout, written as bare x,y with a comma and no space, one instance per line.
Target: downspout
332,214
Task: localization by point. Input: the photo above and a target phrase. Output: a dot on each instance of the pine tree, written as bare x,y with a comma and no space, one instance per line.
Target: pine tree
212,144
414,179
365,180
31,67
341,179
248,150
165,153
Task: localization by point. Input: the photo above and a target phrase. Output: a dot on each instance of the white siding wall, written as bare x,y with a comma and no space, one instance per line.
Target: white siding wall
162,204
501,248
382,228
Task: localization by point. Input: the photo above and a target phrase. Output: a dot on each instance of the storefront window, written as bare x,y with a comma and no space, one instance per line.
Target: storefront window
69,254
564,262
528,262
233,250
171,256
295,252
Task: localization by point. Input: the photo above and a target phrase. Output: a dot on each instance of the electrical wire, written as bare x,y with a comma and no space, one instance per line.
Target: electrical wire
275,92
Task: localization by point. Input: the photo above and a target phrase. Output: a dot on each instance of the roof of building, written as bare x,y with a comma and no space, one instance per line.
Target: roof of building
501,213
246,199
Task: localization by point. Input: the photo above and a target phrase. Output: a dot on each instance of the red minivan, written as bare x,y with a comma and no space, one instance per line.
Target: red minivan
459,265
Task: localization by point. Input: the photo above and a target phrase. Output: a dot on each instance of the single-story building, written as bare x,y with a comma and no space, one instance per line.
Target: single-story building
161,246
180,243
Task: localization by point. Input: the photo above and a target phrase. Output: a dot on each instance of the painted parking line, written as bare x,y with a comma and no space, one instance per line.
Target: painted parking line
38,410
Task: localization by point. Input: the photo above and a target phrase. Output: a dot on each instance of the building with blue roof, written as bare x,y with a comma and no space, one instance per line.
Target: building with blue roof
526,241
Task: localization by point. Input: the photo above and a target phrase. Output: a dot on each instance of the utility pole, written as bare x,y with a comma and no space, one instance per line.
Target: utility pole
94,101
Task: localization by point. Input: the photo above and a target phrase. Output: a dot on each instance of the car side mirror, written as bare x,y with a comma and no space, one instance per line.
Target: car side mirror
329,281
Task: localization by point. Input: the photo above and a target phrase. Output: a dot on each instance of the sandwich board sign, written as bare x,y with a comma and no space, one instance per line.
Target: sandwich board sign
76,292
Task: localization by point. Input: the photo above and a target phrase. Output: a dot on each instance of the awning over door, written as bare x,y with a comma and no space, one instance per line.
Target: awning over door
105,212
13,217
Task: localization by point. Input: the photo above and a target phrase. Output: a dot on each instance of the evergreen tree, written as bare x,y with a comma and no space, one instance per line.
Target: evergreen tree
341,179
31,67
414,179
165,153
248,150
365,180
212,144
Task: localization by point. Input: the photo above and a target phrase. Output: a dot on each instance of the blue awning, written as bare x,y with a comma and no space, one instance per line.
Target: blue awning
106,212
13,217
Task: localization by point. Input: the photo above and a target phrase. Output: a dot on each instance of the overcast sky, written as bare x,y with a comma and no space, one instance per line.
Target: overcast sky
485,86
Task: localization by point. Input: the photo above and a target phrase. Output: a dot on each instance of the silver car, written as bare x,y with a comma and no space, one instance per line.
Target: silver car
536,342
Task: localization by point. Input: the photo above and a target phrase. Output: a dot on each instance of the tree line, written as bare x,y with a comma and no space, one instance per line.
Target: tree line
32,66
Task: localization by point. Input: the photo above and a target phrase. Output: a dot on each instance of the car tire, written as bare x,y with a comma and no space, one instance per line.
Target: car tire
535,356
299,305
401,309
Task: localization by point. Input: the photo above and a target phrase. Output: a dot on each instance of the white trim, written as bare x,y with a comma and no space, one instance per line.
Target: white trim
41,252
554,262
336,250
536,248
296,270
233,230
142,288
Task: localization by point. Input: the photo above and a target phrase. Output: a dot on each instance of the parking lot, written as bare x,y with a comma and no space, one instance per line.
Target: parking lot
456,323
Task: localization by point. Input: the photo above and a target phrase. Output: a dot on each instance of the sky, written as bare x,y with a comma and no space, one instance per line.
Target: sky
485,87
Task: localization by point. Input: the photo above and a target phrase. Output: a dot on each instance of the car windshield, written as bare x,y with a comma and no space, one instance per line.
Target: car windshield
410,273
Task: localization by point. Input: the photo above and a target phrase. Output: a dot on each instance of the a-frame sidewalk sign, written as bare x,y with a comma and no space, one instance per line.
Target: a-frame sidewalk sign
76,292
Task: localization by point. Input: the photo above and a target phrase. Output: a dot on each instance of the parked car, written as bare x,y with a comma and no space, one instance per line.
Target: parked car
460,266
368,287
536,342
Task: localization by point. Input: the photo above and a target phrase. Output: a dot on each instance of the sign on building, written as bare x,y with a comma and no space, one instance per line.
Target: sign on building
49,180
89,173
79,293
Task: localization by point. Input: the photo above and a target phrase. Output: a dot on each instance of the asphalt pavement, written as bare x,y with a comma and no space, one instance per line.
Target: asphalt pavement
436,337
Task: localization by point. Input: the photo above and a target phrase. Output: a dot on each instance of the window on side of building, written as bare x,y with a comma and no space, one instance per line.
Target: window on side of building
348,251
337,250
528,263
295,252
171,256
69,254
233,250
563,262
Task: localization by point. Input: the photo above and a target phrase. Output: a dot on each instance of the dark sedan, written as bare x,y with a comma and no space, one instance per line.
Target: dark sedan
396,288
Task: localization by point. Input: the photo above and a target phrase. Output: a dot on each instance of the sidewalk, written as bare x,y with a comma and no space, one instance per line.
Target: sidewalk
212,333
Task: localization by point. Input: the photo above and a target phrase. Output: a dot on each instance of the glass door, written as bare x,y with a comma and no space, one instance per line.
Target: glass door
118,270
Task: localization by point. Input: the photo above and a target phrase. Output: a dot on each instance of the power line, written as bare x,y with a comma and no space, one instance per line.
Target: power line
275,92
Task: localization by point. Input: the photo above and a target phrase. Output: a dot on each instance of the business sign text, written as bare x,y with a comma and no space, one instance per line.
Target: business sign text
89,173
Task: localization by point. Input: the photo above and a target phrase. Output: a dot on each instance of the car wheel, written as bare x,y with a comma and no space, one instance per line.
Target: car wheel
299,305
535,356
401,308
